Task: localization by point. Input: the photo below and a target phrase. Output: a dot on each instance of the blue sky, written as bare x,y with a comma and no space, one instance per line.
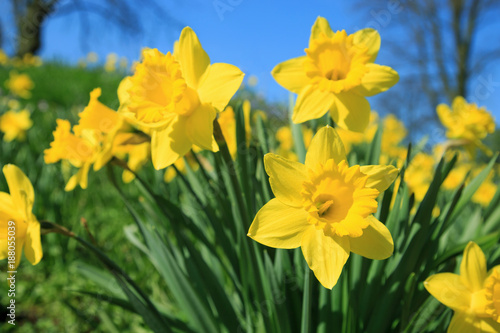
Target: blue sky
253,35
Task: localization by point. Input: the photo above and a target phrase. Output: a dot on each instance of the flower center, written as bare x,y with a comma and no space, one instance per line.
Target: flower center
492,286
337,200
159,90
335,63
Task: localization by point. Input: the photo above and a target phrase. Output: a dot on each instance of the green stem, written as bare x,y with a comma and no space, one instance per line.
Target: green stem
228,160
306,302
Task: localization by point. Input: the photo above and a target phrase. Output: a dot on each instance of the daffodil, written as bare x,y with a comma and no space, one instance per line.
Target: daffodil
4,59
177,96
485,193
474,295
394,132
19,84
419,174
111,61
15,124
180,164
350,138
466,123
456,176
91,142
19,227
325,207
336,75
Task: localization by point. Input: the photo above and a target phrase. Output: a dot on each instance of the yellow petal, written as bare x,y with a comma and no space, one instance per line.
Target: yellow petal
290,74
320,26
311,103
7,210
376,242
488,325
19,250
286,178
191,56
278,225
4,250
169,143
368,38
97,116
473,267
444,114
326,144
325,255
378,79
33,244
80,178
219,83
449,290
200,127
20,188
123,90
351,111
463,322
380,176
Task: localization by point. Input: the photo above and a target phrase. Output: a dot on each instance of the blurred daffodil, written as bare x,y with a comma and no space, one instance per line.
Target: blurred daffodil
180,164
4,59
466,124
419,174
19,227
19,84
177,96
111,62
336,74
325,207
91,142
474,295
15,124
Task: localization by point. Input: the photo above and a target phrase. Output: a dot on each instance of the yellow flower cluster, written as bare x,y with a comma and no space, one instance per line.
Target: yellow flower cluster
28,60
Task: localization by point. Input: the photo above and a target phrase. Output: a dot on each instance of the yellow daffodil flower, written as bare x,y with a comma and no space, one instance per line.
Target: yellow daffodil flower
336,74
485,193
325,207
419,174
92,57
177,96
474,295
15,124
19,84
17,219
456,176
4,59
466,122
111,61
91,142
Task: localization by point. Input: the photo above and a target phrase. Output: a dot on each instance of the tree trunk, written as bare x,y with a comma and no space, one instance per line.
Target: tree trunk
29,23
